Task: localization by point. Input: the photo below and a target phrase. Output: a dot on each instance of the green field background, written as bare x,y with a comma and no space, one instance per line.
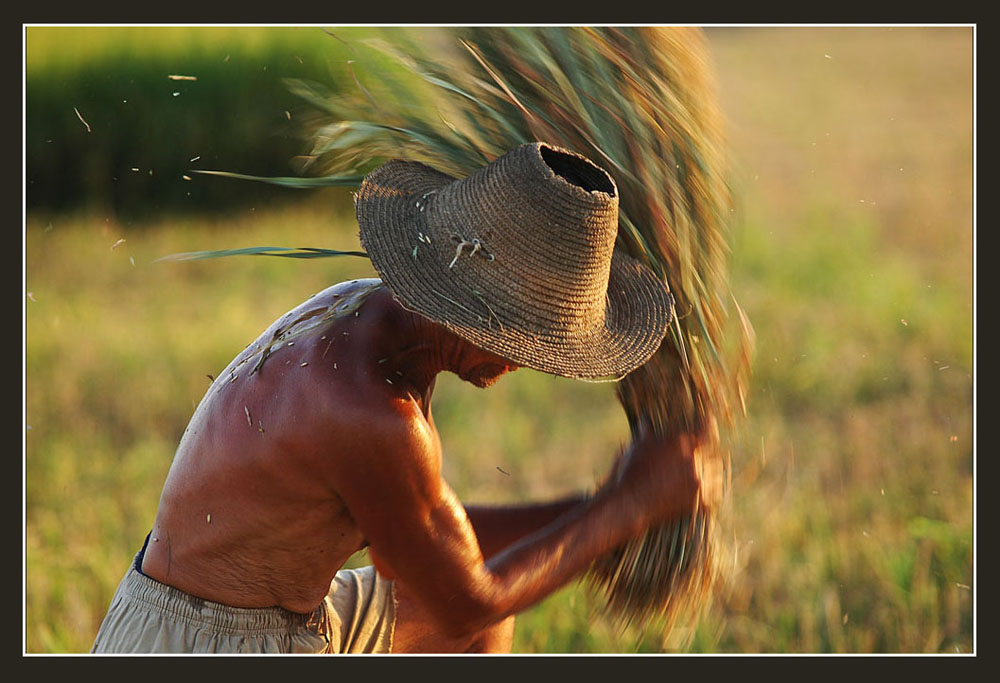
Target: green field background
851,522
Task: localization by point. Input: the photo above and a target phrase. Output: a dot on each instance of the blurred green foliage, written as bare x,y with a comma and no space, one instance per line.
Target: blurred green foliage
108,128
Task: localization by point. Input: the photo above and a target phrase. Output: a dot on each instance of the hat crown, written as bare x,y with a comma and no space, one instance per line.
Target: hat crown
519,258
540,224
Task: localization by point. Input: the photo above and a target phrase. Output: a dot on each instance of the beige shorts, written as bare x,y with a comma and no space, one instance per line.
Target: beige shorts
358,615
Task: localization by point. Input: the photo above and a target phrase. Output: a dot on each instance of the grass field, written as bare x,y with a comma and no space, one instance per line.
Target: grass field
851,528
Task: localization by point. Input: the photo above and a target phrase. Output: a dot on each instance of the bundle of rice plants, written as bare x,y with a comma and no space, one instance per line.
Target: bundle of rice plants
642,103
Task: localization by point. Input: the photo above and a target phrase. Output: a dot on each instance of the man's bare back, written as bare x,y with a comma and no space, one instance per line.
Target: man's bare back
253,512
250,515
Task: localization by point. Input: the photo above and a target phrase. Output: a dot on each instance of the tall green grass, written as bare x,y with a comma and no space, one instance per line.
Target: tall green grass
108,123
851,520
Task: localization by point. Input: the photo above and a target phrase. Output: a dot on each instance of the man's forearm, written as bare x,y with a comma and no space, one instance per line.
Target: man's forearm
498,526
657,481
526,551
539,563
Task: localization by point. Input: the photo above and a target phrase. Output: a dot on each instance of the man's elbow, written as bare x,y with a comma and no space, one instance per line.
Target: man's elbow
465,616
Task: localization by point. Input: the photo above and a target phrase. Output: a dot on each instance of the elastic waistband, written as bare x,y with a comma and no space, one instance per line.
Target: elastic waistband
168,600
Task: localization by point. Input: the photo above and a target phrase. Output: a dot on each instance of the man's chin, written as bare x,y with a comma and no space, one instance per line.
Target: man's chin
484,382
486,375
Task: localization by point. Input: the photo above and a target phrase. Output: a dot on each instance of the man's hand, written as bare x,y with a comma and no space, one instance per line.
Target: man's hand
663,478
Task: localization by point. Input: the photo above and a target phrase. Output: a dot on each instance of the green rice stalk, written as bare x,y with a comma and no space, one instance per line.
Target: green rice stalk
285,252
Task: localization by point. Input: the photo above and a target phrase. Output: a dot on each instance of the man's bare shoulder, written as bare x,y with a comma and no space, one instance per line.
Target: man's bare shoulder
320,368
297,325
335,302
311,395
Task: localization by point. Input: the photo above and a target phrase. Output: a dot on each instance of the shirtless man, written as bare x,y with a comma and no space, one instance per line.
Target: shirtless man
317,440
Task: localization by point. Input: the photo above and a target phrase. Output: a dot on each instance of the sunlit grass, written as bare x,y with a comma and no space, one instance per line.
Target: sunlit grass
58,47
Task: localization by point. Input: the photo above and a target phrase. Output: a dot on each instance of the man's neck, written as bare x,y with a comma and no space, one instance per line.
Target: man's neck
411,348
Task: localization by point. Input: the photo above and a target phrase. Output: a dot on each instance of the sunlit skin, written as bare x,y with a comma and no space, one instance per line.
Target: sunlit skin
330,447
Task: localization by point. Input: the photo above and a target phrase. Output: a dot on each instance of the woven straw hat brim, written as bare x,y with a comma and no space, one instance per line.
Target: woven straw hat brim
419,230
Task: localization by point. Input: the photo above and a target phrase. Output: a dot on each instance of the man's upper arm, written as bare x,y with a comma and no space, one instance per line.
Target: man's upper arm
390,480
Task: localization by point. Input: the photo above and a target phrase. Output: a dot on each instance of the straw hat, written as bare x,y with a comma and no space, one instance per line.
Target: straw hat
518,258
